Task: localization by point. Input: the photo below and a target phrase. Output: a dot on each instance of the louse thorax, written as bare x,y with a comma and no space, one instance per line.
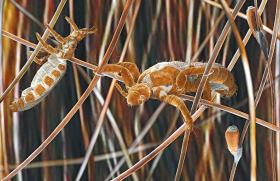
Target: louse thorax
77,35
68,49
138,94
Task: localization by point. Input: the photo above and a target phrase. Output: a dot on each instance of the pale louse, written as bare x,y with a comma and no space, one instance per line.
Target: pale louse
53,69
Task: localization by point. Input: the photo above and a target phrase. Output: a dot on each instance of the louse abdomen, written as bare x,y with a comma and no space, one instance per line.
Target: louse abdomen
43,82
220,79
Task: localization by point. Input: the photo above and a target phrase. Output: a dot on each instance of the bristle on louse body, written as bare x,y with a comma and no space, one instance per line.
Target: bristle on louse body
54,65
256,26
43,82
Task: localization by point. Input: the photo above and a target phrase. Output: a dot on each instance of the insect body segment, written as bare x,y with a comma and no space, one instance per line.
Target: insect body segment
52,69
45,79
219,80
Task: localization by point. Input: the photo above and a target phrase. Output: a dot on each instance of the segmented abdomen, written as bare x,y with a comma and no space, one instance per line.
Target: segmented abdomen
44,80
220,79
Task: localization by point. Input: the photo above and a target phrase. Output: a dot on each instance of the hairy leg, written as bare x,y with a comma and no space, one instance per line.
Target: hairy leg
47,47
120,89
175,101
179,104
118,72
72,23
39,61
41,57
207,92
133,69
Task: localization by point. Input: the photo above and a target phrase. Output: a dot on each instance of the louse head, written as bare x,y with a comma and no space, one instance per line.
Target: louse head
79,34
70,46
138,94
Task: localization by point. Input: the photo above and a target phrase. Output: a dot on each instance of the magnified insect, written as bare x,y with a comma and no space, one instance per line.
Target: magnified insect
166,81
53,67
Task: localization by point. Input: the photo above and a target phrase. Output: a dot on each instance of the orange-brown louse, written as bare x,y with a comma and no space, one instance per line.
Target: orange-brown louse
53,67
166,81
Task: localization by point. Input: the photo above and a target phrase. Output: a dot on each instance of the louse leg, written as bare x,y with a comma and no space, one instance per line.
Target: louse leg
120,89
77,33
39,61
118,71
47,47
72,23
179,104
207,92
57,36
89,31
192,87
133,69
41,57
